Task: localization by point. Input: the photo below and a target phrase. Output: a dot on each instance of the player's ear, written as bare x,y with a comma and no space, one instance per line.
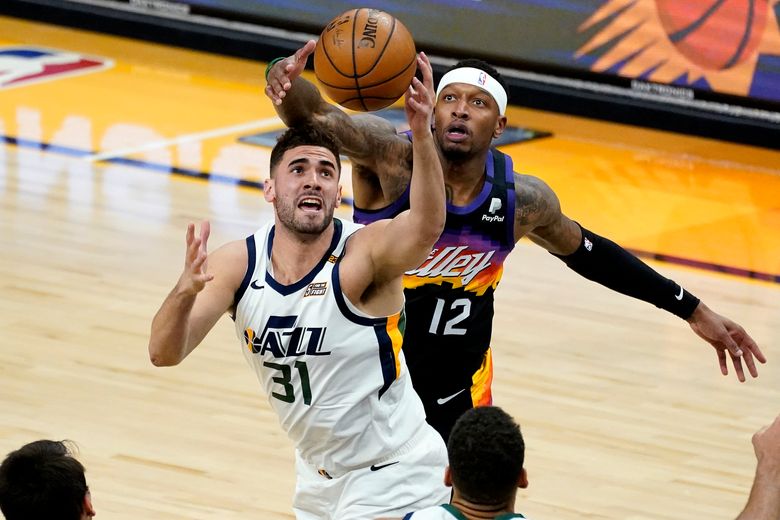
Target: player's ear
447,477
88,509
338,197
268,190
500,127
522,482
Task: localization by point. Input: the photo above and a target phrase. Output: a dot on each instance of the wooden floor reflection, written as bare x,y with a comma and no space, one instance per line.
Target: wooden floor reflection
624,411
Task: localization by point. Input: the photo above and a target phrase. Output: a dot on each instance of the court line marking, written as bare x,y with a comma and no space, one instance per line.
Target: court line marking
175,171
185,138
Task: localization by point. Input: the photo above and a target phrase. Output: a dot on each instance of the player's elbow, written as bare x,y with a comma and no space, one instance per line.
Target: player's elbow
160,357
432,228
428,239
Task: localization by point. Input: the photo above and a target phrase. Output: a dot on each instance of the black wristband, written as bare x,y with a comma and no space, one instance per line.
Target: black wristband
603,261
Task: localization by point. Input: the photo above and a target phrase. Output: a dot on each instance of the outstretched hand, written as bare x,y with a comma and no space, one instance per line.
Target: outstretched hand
195,275
766,441
420,98
729,337
283,73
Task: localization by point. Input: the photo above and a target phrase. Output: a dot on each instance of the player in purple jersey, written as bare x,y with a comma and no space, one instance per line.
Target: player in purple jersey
450,297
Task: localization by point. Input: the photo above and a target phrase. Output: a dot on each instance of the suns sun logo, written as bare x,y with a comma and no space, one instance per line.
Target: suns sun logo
683,42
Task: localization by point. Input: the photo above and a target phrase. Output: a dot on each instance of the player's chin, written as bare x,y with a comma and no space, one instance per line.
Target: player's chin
313,223
455,151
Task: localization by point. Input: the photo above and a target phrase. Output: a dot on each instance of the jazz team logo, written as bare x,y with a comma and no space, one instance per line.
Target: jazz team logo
26,65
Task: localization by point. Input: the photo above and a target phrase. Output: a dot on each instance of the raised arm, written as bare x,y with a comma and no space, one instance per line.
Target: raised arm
539,216
204,292
295,99
764,500
405,241
371,142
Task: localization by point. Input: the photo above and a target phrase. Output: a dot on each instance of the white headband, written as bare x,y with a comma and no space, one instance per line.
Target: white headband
478,78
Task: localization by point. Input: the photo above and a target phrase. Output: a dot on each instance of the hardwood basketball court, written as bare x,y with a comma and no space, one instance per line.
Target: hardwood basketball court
624,411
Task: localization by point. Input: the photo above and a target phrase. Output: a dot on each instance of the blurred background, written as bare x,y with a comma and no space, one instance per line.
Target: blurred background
656,122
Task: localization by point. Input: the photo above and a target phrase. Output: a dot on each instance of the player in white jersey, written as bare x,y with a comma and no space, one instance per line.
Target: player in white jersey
318,306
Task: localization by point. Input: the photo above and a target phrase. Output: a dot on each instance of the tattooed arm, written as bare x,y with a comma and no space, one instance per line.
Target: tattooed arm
381,159
538,215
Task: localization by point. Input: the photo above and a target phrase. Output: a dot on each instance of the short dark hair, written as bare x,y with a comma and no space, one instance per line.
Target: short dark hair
307,134
486,453
42,480
485,66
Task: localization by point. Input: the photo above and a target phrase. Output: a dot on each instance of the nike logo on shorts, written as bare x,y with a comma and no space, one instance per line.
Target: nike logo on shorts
445,400
679,296
375,467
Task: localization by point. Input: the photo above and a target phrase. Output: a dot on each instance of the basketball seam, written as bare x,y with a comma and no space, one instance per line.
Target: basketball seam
745,37
381,53
325,51
354,59
685,31
330,60
385,80
358,91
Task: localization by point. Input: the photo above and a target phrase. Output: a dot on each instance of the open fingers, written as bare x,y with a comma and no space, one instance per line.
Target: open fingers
750,363
750,350
750,346
194,250
424,64
420,91
724,366
302,54
199,261
275,88
737,361
190,234
271,94
724,338
205,231
293,66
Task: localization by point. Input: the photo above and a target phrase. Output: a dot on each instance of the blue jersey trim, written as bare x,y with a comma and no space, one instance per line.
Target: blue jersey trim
344,308
367,216
510,201
250,269
484,194
306,280
384,342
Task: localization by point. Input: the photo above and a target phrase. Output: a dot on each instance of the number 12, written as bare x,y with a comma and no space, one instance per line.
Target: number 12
449,326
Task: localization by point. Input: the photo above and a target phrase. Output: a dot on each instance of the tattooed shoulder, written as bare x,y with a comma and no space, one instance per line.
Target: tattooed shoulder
535,202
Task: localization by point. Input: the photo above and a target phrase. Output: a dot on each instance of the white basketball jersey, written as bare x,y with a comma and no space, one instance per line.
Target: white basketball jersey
336,377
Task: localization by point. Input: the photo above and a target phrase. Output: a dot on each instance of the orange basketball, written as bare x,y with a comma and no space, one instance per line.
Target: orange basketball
365,59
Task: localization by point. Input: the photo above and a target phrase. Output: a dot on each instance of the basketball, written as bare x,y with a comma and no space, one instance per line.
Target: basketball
714,35
365,59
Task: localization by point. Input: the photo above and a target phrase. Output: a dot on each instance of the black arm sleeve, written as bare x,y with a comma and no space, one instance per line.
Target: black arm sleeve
603,261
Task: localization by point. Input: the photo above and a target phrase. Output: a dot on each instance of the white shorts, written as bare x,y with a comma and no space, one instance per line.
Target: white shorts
385,489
